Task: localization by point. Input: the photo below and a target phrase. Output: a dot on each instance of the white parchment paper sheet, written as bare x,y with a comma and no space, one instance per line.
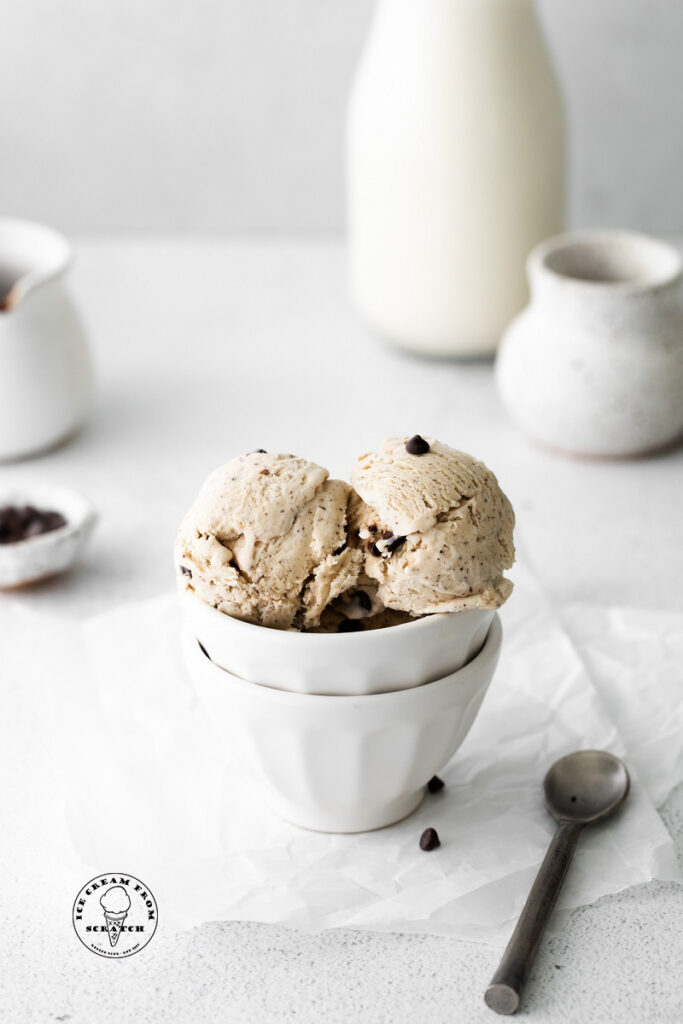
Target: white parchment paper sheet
150,790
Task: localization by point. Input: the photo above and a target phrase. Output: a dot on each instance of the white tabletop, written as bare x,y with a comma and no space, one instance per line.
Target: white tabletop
206,348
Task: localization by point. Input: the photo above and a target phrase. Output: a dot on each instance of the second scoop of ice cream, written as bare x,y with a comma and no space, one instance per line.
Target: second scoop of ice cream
265,541
435,528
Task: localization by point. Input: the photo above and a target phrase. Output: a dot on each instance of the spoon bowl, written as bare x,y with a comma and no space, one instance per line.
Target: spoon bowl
585,786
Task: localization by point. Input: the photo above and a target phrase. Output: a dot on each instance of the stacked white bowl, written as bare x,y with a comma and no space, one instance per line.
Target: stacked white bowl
342,730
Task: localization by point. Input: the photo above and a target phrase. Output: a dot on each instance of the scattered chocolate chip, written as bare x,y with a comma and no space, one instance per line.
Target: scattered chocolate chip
364,600
374,550
435,784
417,445
264,472
259,451
338,551
393,543
429,840
372,529
185,571
19,523
349,626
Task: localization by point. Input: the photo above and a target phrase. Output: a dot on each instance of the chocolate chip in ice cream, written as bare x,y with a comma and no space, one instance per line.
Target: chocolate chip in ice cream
185,571
391,543
435,784
429,840
349,626
417,445
385,545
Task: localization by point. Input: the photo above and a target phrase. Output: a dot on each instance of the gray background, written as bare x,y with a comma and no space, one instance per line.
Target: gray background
228,114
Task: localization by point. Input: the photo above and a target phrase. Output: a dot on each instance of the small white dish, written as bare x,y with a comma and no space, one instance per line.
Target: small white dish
27,561
343,764
339,664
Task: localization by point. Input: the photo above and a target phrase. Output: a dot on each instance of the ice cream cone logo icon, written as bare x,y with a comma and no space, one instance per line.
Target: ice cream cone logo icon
115,904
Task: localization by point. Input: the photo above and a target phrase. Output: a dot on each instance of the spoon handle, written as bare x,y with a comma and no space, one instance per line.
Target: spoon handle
505,989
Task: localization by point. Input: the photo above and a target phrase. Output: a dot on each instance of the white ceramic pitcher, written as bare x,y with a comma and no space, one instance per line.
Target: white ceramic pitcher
455,170
45,368
594,365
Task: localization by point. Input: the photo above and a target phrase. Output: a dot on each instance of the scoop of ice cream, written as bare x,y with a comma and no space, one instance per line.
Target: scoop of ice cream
115,900
434,526
266,541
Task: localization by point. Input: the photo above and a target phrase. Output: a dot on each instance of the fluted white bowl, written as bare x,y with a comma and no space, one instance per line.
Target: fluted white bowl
343,764
339,664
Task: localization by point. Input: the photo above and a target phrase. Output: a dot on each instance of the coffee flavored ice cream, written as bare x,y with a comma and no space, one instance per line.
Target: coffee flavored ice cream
266,541
434,527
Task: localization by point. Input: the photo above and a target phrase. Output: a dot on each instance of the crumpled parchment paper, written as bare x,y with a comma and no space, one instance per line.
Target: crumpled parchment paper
150,790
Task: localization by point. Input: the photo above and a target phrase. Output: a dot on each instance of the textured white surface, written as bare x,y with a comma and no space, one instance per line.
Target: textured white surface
229,114
195,343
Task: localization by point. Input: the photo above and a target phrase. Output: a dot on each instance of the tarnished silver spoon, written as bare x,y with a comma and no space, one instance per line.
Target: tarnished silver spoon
580,789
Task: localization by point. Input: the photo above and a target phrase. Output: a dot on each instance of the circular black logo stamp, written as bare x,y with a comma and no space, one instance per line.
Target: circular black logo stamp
115,915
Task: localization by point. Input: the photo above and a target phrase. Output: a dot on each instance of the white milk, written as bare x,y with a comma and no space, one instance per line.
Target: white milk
455,170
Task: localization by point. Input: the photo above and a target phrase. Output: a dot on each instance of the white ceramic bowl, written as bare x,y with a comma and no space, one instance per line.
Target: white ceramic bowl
340,664
28,561
343,764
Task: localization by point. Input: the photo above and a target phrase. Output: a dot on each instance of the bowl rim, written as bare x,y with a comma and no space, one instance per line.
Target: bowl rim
240,625
489,652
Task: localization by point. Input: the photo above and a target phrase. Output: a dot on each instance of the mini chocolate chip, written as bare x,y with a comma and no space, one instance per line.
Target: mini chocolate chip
364,600
417,445
374,550
185,571
264,472
349,626
338,551
429,840
52,521
393,543
372,529
258,451
435,784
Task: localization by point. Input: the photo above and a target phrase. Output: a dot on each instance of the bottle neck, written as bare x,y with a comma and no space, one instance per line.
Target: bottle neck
419,23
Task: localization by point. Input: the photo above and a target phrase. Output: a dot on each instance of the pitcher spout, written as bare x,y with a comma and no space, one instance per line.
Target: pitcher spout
31,254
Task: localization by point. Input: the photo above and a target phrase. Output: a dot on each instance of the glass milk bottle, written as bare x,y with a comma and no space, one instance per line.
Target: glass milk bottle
455,170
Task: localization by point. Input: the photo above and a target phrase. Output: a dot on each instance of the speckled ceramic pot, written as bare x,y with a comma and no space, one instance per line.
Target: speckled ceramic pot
594,365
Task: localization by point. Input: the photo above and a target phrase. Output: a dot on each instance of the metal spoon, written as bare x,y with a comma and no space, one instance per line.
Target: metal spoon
580,789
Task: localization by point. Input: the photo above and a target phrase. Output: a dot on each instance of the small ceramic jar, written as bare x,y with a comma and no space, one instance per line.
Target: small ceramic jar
594,364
